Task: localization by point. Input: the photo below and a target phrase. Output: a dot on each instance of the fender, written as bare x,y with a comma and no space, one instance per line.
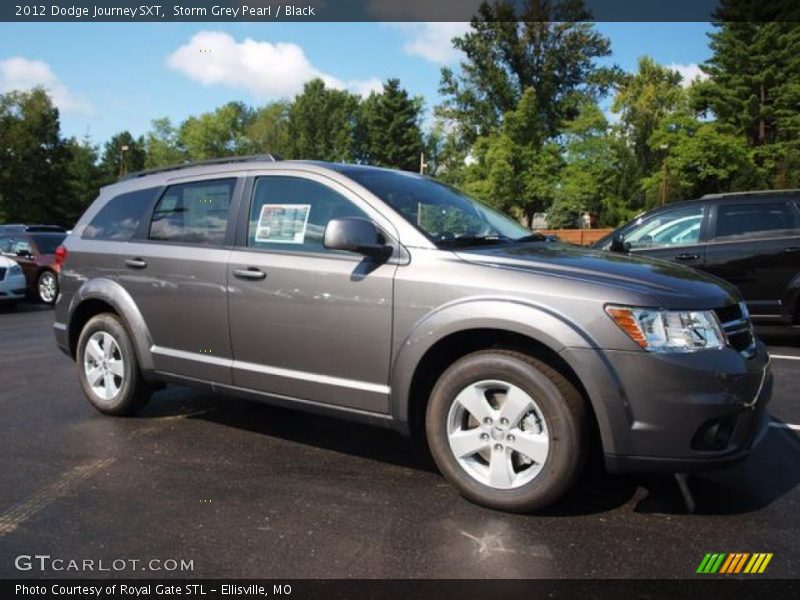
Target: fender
535,321
538,322
113,293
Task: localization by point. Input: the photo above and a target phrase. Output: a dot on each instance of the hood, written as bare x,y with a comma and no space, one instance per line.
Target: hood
666,284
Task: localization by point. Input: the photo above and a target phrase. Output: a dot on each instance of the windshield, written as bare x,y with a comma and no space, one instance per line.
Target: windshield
445,215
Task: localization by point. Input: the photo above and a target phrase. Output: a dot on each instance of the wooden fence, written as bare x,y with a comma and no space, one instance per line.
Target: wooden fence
581,237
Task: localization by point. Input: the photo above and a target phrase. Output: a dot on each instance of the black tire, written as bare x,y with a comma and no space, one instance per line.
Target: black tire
563,409
133,391
47,287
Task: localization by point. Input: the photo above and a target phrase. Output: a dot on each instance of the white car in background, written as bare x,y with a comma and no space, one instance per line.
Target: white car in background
12,282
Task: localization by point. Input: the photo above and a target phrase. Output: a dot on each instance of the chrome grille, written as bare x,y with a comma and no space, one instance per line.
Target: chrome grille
735,322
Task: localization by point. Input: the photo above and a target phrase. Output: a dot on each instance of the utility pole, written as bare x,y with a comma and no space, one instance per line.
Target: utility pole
422,164
664,175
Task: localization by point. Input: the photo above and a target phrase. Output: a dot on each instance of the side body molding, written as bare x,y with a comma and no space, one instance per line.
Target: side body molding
114,294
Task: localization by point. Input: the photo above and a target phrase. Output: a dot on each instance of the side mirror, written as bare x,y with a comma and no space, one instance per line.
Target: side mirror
24,253
618,244
355,234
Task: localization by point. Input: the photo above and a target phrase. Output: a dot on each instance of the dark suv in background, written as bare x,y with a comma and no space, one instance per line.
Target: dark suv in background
751,239
393,299
34,247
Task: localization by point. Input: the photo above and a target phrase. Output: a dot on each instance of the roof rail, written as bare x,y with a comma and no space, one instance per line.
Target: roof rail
199,163
751,193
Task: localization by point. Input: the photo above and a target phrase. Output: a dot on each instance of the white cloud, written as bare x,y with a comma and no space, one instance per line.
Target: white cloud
19,73
432,41
264,69
689,72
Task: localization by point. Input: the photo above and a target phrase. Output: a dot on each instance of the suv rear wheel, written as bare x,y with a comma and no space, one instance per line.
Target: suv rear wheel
47,287
507,430
107,367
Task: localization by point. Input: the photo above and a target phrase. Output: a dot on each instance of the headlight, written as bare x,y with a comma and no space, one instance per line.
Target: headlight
669,330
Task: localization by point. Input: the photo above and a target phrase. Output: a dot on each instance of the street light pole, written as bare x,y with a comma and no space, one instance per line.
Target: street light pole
123,150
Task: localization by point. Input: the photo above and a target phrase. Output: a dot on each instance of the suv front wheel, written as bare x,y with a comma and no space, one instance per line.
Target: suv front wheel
107,367
507,430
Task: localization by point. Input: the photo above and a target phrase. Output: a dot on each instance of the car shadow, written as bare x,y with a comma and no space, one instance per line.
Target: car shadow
772,471
23,307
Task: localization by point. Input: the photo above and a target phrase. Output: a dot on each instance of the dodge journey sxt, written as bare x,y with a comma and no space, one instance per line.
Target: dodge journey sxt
393,299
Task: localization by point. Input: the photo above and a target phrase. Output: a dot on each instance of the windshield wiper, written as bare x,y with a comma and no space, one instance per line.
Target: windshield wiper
474,240
534,237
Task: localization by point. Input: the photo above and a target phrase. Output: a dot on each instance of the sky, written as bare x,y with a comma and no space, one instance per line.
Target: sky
109,77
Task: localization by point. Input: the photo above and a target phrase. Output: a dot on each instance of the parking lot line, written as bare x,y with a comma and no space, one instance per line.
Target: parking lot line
13,517
784,357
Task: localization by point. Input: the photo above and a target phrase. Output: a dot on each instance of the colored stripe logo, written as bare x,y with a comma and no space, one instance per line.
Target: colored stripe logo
734,563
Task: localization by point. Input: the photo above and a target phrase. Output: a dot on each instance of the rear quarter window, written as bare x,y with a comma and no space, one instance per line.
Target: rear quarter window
762,219
119,219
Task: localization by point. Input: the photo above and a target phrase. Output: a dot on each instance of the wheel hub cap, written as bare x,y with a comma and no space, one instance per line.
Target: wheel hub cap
103,365
498,434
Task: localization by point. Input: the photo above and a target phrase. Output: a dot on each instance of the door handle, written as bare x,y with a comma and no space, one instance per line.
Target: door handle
792,250
252,273
687,256
135,263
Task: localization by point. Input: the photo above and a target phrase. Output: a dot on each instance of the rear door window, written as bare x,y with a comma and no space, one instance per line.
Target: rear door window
762,219
193,213
119,219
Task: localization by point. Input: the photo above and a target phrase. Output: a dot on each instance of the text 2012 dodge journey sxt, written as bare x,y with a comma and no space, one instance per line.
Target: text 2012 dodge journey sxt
389,298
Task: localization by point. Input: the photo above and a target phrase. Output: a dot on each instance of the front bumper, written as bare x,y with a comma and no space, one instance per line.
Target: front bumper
677,412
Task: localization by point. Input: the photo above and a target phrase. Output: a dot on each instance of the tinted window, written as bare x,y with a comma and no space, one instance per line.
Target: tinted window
120,217
763,218
46,243
670,228
288,213
193,213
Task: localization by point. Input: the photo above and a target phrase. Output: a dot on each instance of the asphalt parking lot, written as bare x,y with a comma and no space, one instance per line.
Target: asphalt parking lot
246,490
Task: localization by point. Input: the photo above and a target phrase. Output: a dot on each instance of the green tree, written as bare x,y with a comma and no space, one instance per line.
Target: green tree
701,157
390,128
589,181
322,124
643,100
512,173
82,178
753,85
268,130
544,47
217,134
112,157
162,145
32,159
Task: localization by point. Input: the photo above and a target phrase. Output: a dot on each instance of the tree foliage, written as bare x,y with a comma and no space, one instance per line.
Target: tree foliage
389,131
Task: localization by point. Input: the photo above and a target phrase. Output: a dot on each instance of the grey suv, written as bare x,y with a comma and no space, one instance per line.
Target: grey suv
392,299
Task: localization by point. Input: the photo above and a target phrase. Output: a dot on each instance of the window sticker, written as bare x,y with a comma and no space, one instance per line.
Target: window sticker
283,223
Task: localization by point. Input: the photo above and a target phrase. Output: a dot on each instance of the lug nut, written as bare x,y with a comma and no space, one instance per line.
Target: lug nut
484,436
503,421
498,447
487,421
510,438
